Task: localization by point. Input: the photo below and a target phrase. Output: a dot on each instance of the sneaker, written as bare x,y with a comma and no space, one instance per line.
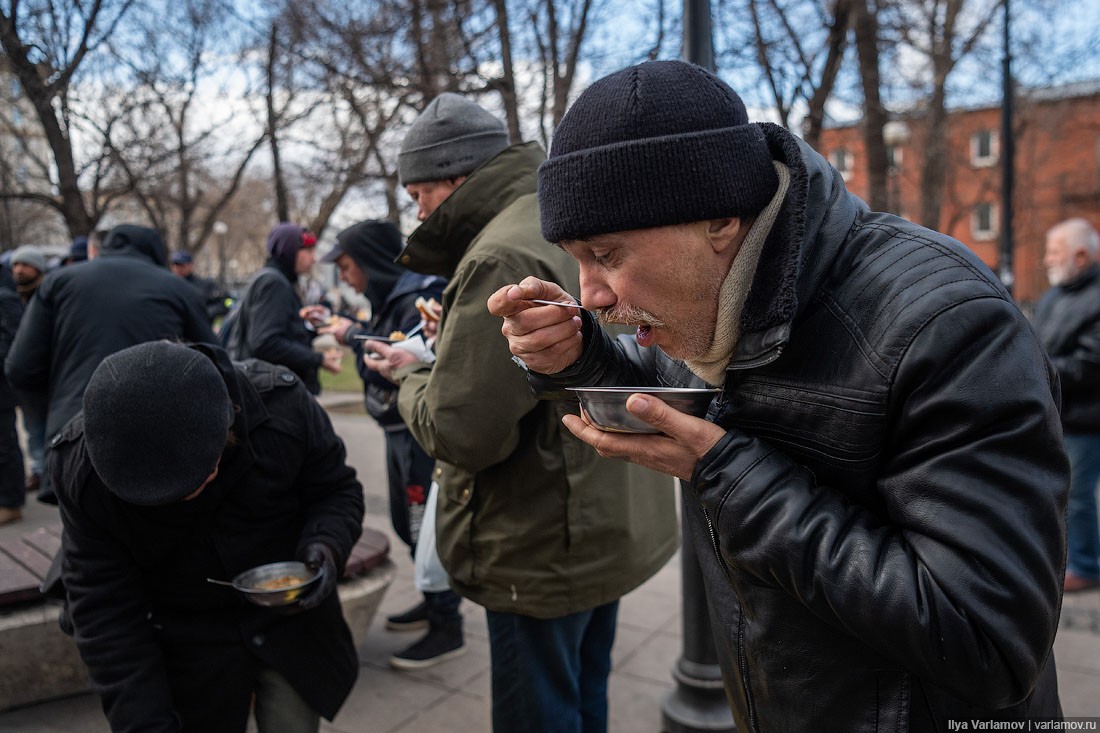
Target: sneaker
33,483
414,619
10,514
438,645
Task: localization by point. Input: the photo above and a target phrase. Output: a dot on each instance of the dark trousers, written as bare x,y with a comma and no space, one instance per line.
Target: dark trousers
410,475
12,491
409,470
550,675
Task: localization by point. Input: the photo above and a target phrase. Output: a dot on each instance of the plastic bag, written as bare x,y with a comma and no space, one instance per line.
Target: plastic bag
429,575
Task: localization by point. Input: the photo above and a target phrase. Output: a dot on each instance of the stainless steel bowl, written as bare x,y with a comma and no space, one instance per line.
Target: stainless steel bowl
251,583
606,406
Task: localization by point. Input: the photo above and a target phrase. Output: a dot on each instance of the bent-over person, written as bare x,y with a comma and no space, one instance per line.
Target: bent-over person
184,466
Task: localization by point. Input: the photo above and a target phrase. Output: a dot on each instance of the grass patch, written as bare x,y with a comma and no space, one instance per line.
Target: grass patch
347,380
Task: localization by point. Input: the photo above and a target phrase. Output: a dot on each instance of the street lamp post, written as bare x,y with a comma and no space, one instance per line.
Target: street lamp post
220,229
1008,153
895,134
698,703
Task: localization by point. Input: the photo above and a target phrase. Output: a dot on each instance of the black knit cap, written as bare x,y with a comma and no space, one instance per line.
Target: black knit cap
660,143
156,419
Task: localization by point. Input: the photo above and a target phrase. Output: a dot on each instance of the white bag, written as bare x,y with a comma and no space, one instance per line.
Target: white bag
429,575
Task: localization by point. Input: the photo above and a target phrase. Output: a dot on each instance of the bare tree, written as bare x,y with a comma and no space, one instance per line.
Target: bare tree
46,43
874,113
797,50
179,163
942,32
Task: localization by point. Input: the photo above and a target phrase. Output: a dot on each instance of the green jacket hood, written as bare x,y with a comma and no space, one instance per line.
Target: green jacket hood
437,245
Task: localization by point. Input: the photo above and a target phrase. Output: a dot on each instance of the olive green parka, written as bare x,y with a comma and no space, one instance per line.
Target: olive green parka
529,519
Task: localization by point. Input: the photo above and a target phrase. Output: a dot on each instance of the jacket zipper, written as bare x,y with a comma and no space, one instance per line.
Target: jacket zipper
717,409
741,663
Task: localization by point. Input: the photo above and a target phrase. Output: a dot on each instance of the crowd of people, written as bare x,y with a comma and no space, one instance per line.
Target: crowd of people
877,496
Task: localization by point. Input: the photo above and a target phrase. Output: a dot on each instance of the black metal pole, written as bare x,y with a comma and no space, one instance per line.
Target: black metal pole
699,701
698,38
1008,152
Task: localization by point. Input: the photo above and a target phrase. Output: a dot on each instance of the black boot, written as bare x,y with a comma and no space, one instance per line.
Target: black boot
444,639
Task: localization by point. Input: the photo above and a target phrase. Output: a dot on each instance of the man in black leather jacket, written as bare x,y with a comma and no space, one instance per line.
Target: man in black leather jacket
1068,321
877,496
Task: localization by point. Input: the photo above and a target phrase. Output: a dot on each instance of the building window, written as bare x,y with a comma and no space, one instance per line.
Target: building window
983,222
16,89
16,116
841,158
983,148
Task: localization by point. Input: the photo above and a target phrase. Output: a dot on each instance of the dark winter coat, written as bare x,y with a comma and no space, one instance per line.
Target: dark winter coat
11,311
213,297
268,326
85,312
136,576
398,313
1067,318
529,519
882,529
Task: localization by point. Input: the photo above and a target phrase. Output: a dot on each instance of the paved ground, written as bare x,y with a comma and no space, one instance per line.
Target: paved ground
454,696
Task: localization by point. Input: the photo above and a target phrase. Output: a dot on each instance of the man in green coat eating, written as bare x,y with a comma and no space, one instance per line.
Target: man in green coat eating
531,523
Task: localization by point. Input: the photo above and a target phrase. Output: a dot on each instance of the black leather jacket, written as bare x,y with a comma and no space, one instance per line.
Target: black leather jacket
1068,321
881,530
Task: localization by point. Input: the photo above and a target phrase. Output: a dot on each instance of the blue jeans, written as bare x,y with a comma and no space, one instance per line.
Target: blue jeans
1084,525
33,407
550,675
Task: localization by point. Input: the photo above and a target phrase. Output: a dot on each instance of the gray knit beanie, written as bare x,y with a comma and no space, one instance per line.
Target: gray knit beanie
452,137
660,143
28,254
156,419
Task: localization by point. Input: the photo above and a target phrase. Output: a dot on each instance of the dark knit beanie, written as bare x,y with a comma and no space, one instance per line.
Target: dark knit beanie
452,137
660,143
283,243
156,419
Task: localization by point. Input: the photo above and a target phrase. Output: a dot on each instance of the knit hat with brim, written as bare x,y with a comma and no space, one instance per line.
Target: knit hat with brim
156,419
657,144
452,137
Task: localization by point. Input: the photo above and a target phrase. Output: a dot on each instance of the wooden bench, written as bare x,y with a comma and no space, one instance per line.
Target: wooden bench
38,662
24,561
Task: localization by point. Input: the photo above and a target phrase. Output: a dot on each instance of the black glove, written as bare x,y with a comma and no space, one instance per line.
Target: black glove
318,556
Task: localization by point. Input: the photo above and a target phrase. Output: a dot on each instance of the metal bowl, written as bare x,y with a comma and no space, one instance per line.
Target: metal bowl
605,407
276,584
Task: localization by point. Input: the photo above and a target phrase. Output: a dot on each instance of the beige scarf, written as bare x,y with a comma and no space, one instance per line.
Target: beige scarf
711,366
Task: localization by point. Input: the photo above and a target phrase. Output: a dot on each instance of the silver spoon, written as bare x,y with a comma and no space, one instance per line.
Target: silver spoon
220,582
554,302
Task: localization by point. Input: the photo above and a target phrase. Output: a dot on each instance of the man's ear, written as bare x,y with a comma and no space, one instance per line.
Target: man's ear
726,233
1081,259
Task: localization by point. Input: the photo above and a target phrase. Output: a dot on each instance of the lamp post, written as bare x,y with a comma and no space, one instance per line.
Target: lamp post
698,703
895,134
1008,153
220,229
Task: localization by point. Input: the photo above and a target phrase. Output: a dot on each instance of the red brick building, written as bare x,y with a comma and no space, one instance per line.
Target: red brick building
1057,173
